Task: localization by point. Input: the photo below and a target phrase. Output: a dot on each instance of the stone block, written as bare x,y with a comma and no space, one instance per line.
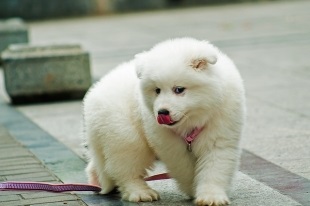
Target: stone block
12,31
36,73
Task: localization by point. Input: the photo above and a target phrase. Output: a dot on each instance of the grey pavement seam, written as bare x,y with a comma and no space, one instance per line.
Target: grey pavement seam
269,103
287,183
268,41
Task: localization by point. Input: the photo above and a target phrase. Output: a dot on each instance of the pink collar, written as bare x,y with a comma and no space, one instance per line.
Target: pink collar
191,137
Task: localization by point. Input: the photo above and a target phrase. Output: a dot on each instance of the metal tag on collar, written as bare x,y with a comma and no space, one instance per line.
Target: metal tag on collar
189,146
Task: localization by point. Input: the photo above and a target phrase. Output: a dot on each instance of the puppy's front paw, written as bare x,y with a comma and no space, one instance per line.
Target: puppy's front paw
212,199
146,195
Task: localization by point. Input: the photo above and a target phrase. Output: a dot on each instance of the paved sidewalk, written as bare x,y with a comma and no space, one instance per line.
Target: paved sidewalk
19,164
43,158
28,153
269,43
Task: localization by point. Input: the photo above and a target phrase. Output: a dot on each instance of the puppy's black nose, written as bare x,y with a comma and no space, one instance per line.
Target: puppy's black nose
163,111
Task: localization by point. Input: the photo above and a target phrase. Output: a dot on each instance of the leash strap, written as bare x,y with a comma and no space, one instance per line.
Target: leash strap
42,186
48,187
162,176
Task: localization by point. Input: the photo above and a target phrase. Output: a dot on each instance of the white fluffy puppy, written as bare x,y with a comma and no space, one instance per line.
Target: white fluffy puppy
184,101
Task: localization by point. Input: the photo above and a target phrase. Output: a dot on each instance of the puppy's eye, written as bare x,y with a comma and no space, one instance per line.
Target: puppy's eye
157,90
178,90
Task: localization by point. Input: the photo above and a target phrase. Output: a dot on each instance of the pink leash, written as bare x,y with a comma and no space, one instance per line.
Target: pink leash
42,186
47,186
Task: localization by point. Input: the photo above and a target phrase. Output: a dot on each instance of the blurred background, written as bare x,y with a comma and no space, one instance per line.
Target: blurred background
41,9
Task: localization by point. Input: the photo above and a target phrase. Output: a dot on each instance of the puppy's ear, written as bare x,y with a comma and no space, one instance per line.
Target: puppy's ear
202,63
139,62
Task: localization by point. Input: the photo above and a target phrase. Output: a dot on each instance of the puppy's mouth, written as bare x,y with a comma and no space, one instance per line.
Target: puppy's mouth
165,119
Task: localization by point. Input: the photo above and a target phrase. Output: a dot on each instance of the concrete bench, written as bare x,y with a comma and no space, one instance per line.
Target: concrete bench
12,31
45,73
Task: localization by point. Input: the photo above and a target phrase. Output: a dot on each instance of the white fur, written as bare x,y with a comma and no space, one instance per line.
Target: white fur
123,134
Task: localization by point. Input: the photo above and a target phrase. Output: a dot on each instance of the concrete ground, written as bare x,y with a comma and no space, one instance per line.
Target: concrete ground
270,44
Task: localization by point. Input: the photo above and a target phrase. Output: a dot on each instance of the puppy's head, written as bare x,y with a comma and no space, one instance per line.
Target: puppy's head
178,81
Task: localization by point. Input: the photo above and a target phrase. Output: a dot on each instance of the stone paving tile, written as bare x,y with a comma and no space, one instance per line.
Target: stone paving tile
9,168
6,198
41,194
38,176
58,199
67,203
18,163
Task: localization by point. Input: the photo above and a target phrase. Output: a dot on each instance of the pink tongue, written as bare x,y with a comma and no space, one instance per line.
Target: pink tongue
164,119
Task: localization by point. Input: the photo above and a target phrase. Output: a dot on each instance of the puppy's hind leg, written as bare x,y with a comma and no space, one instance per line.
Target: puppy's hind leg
127,166
92,174
97,176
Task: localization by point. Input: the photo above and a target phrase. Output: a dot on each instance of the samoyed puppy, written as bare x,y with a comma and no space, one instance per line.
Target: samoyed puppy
182,101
